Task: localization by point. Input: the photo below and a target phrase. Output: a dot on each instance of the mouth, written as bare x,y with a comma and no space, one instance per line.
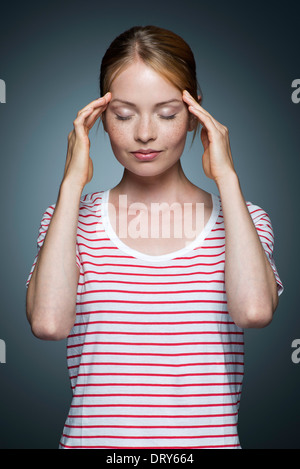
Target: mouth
146,155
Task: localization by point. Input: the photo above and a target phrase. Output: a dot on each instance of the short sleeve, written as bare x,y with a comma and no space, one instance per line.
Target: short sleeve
44,225
265,232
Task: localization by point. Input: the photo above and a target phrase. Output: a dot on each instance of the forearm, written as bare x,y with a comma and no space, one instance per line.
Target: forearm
249,279
51,294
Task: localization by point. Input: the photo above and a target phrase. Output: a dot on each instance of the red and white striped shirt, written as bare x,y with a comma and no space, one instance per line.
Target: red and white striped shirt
154,358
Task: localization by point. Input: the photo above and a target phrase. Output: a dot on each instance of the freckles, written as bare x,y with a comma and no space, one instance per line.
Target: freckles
178,131
117,134
173,132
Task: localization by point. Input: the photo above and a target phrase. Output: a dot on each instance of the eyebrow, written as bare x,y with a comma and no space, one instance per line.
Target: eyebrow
156,105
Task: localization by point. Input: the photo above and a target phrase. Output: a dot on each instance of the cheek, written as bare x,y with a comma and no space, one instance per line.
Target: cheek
179,130
118,135
175,132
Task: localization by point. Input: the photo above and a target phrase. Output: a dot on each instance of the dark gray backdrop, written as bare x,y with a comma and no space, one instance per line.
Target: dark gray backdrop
247,57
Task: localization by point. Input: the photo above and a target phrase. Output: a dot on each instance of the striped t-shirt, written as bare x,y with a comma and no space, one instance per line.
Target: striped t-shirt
154,358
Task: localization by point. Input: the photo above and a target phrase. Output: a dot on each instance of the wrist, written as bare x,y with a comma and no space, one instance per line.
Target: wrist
227,181
70,190
67,185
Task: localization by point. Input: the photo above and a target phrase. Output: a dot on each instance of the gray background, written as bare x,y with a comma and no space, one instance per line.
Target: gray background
247,57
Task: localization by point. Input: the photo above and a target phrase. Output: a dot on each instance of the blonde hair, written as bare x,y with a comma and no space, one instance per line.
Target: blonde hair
166,52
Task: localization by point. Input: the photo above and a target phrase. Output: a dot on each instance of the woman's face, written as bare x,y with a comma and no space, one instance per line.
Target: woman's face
146,112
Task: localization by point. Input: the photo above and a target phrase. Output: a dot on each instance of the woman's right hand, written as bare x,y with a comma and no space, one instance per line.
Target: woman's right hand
79,166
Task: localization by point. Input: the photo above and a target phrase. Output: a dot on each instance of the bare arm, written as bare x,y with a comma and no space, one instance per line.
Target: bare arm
51,293
249,279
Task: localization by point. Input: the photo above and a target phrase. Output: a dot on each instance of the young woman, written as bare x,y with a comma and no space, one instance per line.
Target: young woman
154,322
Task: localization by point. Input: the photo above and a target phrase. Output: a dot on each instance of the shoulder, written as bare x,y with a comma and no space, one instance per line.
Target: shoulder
91,200
86,200
257,212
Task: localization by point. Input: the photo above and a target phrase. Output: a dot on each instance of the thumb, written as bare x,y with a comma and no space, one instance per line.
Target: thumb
91,170
204,138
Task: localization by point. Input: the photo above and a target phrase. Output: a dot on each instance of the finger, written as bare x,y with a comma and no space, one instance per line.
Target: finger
81,115
98,107
102,101
188,98
80,120
92,118
205,117
97,103
88,115
205,120
192,102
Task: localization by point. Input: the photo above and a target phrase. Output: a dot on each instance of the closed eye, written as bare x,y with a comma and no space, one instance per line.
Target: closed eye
169,117
121,118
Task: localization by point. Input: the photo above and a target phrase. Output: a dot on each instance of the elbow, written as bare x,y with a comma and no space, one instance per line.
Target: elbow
48,329
255,318
255,314
48,333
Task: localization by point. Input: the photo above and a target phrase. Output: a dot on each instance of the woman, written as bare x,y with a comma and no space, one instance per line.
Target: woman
154,322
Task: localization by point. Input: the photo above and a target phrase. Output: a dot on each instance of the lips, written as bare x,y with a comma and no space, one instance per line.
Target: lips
146,151
146,154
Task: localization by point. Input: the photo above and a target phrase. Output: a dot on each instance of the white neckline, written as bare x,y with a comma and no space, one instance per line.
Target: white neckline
163,257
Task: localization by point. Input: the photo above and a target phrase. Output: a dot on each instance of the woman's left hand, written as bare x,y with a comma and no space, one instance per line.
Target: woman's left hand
217,159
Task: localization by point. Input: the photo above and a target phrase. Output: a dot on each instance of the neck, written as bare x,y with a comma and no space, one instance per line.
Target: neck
166,187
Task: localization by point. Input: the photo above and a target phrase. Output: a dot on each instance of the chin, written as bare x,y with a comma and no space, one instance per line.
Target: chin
147,168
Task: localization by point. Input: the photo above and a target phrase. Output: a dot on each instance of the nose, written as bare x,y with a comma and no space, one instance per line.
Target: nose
145,129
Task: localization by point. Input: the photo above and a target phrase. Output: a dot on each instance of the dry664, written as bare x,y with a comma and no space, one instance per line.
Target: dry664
171,458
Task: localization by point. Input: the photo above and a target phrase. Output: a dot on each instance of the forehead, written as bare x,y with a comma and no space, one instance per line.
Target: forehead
141,82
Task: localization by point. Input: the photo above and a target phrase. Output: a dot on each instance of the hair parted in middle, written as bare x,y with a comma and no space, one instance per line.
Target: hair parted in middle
166,52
